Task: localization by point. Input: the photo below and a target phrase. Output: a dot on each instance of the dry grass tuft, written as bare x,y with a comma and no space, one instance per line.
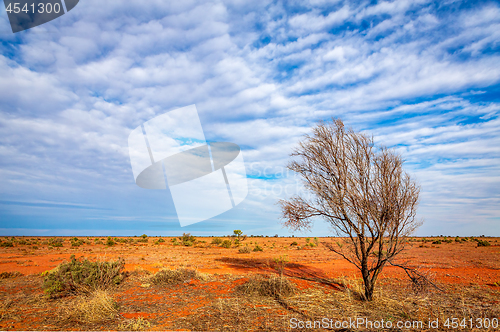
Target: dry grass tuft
172,277
273,286
135,324
6,275
97,307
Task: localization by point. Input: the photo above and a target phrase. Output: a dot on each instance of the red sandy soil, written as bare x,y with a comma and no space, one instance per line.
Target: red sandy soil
452,263
463,263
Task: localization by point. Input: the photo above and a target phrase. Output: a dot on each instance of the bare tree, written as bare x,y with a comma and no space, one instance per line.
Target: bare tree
361,190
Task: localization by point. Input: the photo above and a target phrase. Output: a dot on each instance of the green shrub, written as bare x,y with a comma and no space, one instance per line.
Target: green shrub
294,243
6,244
226,244
110,242
160,240
216,241
187,239
281,263
257,248
174,242
437,242
75,242
56,242
82,276
483,243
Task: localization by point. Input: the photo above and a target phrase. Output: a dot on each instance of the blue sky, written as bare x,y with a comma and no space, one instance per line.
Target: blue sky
421,76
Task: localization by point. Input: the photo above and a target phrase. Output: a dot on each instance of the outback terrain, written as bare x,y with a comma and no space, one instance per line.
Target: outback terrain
247,284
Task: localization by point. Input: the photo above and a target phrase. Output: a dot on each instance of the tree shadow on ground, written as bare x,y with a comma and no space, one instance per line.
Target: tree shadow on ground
293,270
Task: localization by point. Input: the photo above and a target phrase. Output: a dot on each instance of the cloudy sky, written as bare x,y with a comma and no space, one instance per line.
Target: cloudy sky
421,76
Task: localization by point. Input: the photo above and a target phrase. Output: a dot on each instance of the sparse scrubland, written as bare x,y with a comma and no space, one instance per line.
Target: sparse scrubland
224,284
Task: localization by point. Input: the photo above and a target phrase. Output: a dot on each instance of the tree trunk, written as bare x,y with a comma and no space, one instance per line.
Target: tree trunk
369,287
369,283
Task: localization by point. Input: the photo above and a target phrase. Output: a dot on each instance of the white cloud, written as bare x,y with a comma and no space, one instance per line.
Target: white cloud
261,74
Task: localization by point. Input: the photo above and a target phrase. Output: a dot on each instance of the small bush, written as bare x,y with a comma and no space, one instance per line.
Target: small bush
258,248
56,242
161,240
82,276
75,242
226,244
110,242
216,241
273,286
95,308
437,242
245,250
187,239
281,262
170,277
294,243
6,244
483,243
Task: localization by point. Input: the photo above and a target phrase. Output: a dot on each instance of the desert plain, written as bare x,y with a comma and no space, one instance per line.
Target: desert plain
221,291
